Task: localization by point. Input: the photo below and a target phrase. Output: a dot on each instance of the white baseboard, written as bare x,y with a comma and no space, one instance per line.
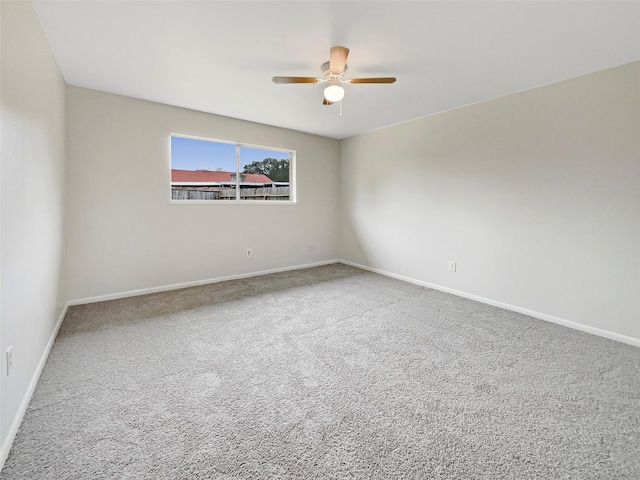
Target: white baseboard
196,283
541,316
17,420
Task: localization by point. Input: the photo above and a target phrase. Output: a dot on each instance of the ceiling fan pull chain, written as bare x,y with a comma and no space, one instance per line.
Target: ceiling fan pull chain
340,107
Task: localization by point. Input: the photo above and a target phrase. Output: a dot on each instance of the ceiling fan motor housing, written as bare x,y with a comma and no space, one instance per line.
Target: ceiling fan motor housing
328,76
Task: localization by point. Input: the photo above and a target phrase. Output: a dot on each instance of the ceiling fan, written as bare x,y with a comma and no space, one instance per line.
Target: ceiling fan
333,73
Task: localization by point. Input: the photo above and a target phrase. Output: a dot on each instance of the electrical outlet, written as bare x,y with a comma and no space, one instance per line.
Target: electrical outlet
9,359
452,266
249,253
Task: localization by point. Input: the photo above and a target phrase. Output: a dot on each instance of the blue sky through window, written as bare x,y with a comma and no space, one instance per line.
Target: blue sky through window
195,154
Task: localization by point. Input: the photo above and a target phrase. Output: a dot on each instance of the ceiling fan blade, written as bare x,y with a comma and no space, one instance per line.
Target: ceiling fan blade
338,59
327,102
281,80
372,80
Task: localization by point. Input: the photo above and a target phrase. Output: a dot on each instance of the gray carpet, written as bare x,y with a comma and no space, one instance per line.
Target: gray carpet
330,372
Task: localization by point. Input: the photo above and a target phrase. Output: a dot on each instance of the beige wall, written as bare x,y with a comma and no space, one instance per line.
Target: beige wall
32,194
123,233
536,196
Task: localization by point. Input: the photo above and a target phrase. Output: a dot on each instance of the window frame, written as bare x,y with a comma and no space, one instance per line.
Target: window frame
238,201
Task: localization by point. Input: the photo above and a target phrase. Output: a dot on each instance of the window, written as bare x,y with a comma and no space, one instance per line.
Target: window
208,170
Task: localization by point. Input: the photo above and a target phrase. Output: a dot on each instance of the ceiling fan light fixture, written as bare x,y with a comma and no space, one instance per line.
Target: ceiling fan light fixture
334,93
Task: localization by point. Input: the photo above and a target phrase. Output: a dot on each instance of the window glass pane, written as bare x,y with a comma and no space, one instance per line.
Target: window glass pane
264,174
207,170
202,170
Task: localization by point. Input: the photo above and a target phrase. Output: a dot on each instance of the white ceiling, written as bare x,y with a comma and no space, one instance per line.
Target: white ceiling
219,57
